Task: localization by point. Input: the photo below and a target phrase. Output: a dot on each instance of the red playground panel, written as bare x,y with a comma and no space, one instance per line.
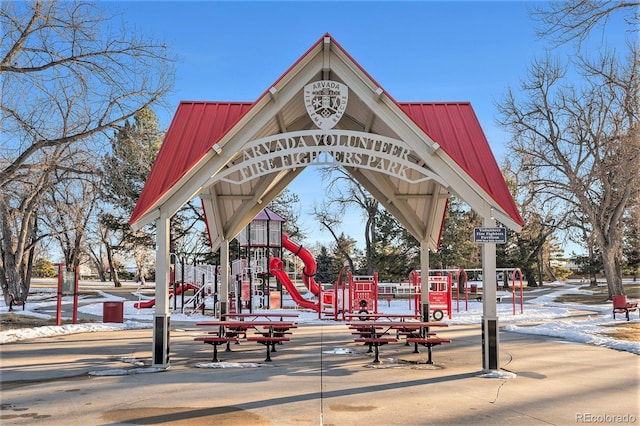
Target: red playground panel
363,294
439,294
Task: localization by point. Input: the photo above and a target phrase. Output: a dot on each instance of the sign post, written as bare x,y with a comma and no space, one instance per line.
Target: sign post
67,285
489,235
76,275
59,302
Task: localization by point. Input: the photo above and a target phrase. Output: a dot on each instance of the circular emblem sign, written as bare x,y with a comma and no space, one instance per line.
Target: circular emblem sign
326,101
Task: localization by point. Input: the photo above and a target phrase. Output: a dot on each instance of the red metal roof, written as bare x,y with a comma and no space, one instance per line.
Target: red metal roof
456,128
197,126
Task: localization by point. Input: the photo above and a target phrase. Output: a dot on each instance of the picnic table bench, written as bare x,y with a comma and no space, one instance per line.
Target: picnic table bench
499,296
215,341
268,333
277,331
269,342
429,342
411,331
375,334
381,316
419,333
376,342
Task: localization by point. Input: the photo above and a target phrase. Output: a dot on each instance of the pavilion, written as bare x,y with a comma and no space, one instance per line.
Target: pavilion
325,109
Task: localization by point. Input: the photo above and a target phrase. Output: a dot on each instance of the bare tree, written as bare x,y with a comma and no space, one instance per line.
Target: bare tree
67,79
344,191
287,206
543,217
568,21
580,140
96,249
69,206
330,220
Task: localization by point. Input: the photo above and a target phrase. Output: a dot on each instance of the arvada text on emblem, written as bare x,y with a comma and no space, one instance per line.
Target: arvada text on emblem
326,101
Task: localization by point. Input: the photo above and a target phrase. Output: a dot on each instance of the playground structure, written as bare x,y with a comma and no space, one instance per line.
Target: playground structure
200,280
439,294
178,289
349,294
443,284
250,273
358,294
264,236
250,286
259,240
262,244
361,294
308,272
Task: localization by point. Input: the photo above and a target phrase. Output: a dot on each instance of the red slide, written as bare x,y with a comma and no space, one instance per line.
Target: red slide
151,302
310,267
146,304
275,267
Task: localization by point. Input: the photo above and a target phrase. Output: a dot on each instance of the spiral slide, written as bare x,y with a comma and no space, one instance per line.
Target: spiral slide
309,270
275,267
151,302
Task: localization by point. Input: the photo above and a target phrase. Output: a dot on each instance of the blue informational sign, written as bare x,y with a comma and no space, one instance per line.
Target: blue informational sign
496,235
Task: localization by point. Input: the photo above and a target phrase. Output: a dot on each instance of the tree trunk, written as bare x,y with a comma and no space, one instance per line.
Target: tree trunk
552,276
530,276
612,271
17,284
96,259
26,280
112,266
540,267
16,270
369,231
593,279
13,290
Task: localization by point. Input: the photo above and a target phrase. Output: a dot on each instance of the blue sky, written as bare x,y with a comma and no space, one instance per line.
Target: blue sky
417,51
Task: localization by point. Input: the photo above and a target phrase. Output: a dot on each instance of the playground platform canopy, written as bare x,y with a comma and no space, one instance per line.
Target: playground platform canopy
238,156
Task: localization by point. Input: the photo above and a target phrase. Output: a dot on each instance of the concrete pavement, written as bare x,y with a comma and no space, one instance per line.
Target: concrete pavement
321,377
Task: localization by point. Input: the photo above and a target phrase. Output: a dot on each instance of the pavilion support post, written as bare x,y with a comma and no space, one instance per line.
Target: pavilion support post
490,332
224,277
424,280
161,320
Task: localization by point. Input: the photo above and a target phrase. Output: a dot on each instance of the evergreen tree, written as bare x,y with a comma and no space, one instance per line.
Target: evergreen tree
287,206
43,268
457,249
133,151
396,251
325,272
345,251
